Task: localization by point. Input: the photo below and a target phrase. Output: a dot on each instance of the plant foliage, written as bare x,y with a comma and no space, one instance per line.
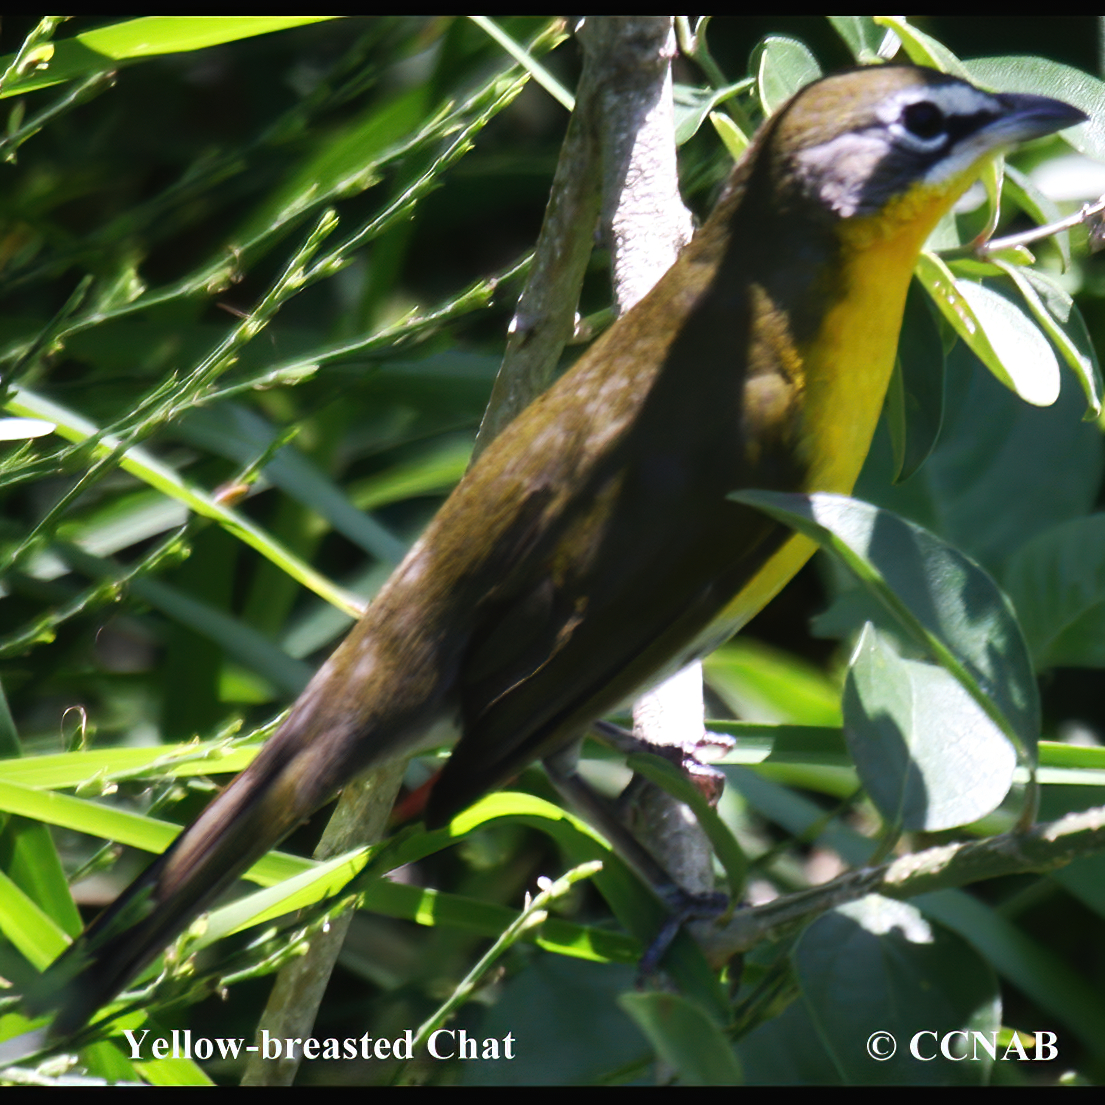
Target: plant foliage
257,274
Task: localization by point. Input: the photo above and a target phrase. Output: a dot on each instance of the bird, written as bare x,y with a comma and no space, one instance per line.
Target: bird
594,547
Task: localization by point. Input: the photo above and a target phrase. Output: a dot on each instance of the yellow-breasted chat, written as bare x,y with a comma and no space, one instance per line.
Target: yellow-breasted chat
594,546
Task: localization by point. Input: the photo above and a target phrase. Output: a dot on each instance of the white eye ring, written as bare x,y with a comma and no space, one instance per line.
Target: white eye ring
901,133
925,113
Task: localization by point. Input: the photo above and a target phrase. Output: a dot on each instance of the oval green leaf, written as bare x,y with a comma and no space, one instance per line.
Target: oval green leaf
782,66
1057,583
999,333
684,1038
927,754
943,600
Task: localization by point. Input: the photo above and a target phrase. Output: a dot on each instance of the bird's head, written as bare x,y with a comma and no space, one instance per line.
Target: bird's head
865,142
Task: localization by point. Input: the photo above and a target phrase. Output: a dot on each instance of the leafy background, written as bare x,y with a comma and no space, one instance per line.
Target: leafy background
151,223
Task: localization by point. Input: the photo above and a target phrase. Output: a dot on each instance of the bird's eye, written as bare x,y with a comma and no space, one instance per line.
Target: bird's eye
924,120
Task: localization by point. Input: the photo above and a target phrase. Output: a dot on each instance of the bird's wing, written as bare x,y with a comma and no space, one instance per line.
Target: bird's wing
642,552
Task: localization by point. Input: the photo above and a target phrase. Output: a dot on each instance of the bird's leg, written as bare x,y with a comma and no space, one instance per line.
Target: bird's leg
661,822
683,906
562,769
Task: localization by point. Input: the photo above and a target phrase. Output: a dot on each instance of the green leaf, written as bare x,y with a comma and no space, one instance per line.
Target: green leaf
10,745
997,330
37,910
684,1038
178,1071
693,104
993,449
234,431
31,930
915,399
100,820
527,61
1060,319
28,855
923,49
532,916
928,756
350,160
1084,879
732,137
561,1003
433,471
636,908
320,881
879,966
760,683
145,466
782,67
1056,984
107,765
238,640
1057,584
945,602
146,37
863,36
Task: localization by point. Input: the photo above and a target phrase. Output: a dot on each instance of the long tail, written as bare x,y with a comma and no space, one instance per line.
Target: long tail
284,785
379,694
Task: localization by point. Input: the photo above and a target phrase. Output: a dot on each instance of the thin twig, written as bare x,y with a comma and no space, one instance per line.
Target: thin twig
1085,214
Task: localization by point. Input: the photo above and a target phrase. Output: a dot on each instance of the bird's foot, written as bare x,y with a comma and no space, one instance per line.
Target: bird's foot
683,908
